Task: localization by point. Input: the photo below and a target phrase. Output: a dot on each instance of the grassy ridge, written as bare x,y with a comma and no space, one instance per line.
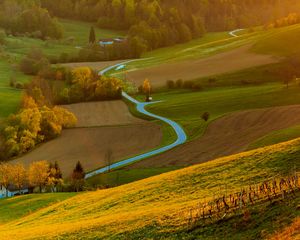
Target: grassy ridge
154,206
282,41
21,206
276,137
17,47
210,44
9,97
186,107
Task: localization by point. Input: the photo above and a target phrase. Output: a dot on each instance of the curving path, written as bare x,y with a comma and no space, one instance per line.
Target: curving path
181,136
233,33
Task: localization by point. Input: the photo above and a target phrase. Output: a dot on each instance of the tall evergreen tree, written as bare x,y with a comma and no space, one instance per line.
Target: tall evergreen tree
78,177
92,38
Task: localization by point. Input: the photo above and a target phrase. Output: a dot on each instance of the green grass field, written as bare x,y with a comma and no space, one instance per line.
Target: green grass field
124,176
80,31
17,207
212,43
276,137
9,97
186,107
281,42
17,47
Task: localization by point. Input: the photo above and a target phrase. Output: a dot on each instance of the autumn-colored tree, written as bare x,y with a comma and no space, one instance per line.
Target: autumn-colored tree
147,89
28,102
18,176
38,174
55,176
83,77
108,88
5,176
34,124
78,177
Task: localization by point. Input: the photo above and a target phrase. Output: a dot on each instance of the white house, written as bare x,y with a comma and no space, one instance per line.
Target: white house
12,191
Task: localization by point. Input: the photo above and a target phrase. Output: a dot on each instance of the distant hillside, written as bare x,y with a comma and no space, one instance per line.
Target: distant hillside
156,208
158,23
281,42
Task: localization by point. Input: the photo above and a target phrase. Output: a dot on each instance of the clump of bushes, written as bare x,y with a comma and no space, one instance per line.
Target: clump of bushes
33,124
2,37
180,84
34,62
86,85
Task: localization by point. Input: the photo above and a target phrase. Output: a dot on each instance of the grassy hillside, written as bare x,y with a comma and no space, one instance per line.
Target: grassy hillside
186,107
9,97
157,207
276,137
16,47
21,206
281,41
212,43
81,30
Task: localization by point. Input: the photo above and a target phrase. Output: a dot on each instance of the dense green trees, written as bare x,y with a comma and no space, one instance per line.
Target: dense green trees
157,23
27,17
92,37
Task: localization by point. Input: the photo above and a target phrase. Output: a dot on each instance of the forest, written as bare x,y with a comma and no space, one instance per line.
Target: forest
159,23
150,24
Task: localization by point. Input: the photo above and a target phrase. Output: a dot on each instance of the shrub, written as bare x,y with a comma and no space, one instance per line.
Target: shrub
188,84
170,84
19,85
2,37
197,86
179,83
12,81
34,62
205,116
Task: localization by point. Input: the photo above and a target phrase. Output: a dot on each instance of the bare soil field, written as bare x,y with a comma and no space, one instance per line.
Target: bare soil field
107,113
237,59
94,65
102,127
91,145
228,135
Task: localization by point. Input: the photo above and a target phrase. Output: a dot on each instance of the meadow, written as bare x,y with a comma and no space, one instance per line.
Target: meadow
22,206
159,206
186,107
75,36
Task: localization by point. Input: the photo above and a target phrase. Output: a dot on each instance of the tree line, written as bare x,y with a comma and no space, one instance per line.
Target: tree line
41,175
27,17
157,23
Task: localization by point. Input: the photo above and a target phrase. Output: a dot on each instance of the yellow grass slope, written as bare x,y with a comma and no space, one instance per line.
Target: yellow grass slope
158,201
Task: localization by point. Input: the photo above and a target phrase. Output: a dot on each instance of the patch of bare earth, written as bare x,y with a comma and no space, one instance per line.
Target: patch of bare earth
94,65
95,136
228,135
102,114
237,59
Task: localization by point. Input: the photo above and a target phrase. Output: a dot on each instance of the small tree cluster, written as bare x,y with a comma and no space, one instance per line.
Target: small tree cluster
34,124
34,62
87,85
291,19
40,174
180,84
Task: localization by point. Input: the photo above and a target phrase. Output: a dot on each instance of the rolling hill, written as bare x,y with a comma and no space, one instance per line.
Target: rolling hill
157,207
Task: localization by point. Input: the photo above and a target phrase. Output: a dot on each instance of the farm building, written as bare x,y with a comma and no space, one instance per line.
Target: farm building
12,191
111,41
